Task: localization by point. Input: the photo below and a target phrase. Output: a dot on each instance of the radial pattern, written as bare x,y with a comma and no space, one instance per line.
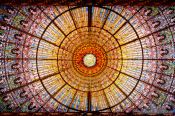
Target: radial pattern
70,59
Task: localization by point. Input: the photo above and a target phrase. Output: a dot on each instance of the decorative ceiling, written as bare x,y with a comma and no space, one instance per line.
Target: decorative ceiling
87,58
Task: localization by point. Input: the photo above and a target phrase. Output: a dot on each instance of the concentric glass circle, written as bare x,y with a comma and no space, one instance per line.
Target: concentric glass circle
91,50
75,73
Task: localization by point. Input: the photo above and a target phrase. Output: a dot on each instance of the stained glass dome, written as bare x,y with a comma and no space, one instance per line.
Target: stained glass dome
87,58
